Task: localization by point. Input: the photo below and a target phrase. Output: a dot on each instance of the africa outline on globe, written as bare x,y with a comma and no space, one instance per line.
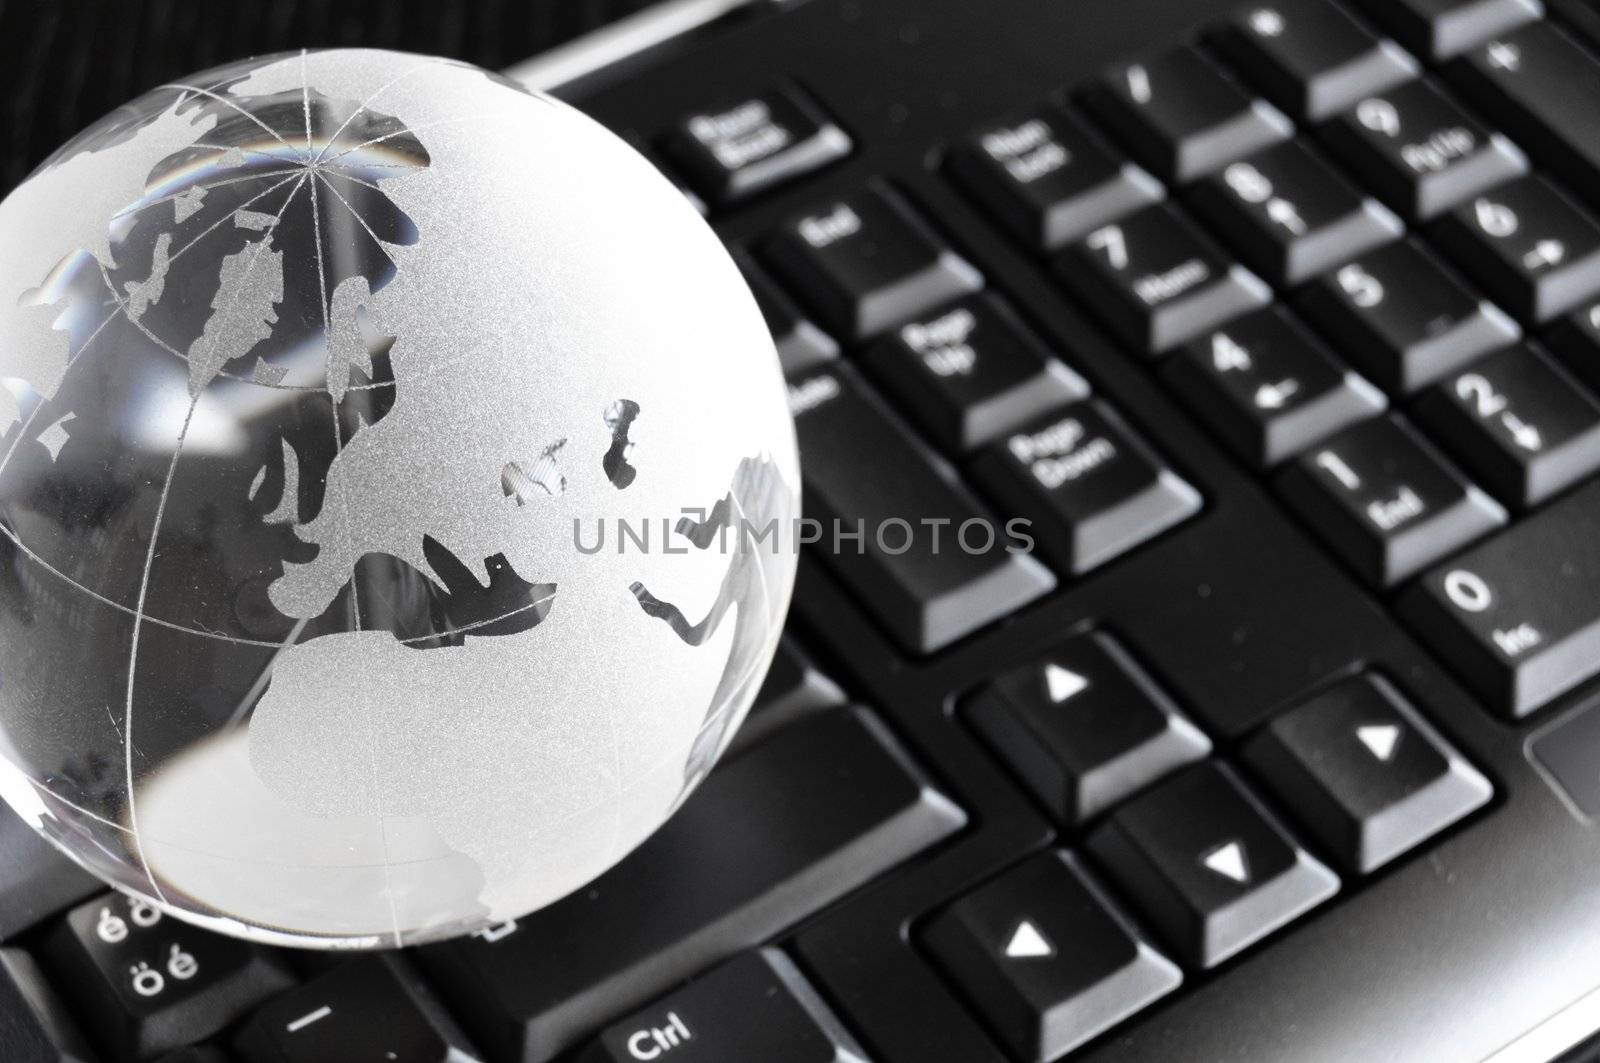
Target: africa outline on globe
312,368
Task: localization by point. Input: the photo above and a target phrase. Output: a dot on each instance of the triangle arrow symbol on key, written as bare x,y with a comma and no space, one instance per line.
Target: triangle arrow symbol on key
1228,861
1027,943
1380,739
1062,684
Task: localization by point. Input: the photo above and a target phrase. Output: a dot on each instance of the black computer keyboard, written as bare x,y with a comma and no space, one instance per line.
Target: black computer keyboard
1279,326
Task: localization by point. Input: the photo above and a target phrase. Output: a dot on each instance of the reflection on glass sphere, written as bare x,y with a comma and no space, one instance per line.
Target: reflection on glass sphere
396,499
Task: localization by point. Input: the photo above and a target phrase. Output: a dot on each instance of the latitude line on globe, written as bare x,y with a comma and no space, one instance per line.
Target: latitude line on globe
150,555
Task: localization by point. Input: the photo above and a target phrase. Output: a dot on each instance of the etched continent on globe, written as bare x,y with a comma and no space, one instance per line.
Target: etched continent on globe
327,383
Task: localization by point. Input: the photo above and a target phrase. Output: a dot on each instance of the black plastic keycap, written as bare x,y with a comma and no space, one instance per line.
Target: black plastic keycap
866,262
1269,387
1090,486
1576,340
1182,116
1420,151
1208,864
195,1054
1157,280
793,689
1048,179
733,152
1545,86
34,1025
36,881
1312,59
971,371
371,1010
801,345
1403,319
1438,29
1518,616
1517,423
1364,773
1084,727
1533,249
757,1006
1047,958
1386,501
880,497
145,983
1290,215
818,810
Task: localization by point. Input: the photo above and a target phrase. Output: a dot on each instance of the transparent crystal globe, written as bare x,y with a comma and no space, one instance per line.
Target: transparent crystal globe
396,499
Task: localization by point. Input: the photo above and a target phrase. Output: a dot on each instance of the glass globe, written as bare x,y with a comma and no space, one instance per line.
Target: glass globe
396,499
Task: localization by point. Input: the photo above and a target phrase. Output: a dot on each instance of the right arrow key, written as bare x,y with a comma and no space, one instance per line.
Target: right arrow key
1368,777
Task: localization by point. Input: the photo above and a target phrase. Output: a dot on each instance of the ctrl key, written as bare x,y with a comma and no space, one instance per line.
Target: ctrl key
757,1006
1046,957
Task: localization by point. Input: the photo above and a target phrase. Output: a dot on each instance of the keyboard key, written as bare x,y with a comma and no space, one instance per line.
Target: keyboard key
373,1008
1091,487
36,881
1206,862
1084,727
1530,247
34,1025
1385,501
1364,773
1046,958
734,152
1269,387
867,262
1157,280
793,689
1519,425
770,837
1575,339
1312,60
1544,85
1182,116
1439,29
145,983
801,345
1421,152
1290,215
1570,753
1402,318
1518,616
757,1006
868,477
1048,179
971,371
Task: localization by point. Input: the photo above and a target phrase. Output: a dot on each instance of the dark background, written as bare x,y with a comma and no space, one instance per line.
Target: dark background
63,63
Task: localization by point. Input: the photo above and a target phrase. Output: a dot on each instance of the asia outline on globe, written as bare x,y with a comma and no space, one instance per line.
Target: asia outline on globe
382,447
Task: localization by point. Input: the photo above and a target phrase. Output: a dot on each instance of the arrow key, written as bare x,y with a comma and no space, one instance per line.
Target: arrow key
1534,250
1364,772
1211,867
1269,387
1085,727
1516,420
1046,957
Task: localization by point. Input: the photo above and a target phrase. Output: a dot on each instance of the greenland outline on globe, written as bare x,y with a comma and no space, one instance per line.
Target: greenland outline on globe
327,382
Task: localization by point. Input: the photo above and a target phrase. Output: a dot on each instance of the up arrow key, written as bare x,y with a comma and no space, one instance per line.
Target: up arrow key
1027,943
1228,861
1380,739
1061,684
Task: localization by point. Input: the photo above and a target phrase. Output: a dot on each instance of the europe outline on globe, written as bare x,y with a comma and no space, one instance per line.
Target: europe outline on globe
314,372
